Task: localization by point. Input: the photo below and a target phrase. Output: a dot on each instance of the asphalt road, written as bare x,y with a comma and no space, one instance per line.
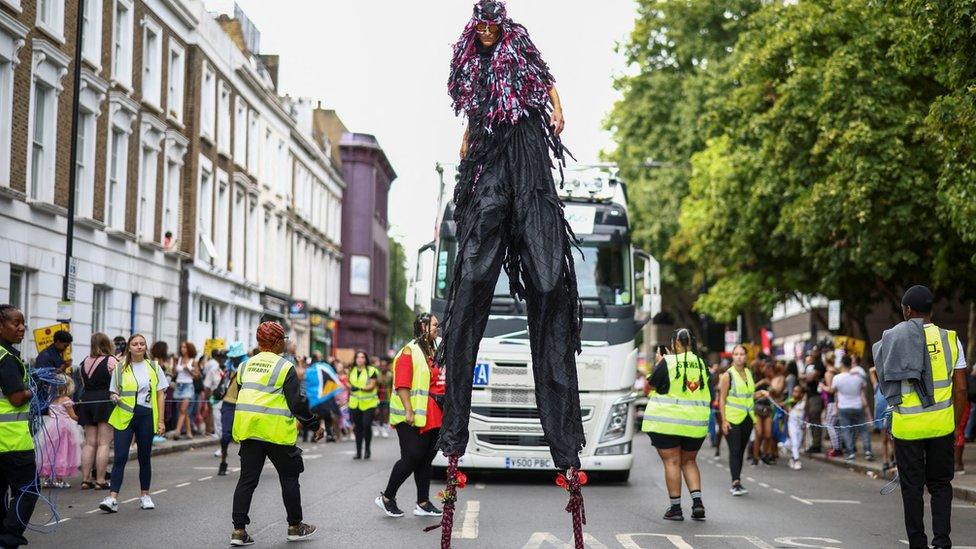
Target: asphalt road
820,506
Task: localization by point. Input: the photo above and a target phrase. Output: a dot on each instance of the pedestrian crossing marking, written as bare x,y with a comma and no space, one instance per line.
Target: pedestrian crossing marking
469,526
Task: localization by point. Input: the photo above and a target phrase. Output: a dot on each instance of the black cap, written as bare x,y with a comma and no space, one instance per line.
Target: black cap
919,298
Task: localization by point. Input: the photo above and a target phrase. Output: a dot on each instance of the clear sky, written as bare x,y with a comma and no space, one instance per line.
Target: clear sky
383,65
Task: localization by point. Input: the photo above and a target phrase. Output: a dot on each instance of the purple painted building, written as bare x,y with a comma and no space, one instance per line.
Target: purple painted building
364,306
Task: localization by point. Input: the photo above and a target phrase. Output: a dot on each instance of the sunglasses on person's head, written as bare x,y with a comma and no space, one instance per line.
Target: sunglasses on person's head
485,27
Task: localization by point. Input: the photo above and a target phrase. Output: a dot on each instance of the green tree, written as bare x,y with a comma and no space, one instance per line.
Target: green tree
401,317
676,51
817,178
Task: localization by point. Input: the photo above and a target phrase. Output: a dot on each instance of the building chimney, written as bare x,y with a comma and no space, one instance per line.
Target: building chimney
271,62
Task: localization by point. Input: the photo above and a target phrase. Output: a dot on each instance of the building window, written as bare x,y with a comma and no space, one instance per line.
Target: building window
147,193
133,313
99,302
19,289
237,231
240,133
252,143
359,275
91,47
205,247
84,165
208,97
171,203
223,125
267,159
50,18
222,220
251,241
122,26
207,316
159,315
152,62
115,193
42,146
177,76
12,34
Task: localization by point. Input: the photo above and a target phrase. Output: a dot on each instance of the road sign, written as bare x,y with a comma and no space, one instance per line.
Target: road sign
65,308
833,314
44,337
211,345
72,278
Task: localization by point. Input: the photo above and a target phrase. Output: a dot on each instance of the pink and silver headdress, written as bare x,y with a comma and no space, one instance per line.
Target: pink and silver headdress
519,80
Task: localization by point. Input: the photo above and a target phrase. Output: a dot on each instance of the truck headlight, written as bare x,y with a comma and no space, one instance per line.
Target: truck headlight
617,422
615,450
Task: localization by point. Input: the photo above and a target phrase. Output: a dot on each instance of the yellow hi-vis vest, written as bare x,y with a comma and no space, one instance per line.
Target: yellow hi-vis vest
680,412
419,388
909,420
358,398
739,402
15,433
262,411
127,389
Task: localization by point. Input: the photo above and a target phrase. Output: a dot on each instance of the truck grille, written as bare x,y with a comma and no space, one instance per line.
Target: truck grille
511,412
513,440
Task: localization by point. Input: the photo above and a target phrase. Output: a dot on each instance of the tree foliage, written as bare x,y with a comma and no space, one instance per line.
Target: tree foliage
401,317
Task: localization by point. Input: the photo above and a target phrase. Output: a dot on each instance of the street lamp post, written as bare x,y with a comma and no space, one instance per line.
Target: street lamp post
67,293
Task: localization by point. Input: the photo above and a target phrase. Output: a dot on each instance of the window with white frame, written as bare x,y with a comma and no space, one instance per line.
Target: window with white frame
237,235
50,18
251,241
152,62
284,169
224,121
208,99
91,47
159,316
43,130
176,146
99,307
12,35
85,165
148,159
222,219
267,159
240,132
121,114
122,28
252,142
176,76
205,247
20,290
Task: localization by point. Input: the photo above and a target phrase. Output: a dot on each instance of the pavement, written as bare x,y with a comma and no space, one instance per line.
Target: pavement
963,485
819,506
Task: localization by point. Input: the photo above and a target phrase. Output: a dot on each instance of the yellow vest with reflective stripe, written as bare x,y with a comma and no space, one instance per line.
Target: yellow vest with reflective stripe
680,412
127,389
909,421
15,433
358,398
419,389
262,411
740,402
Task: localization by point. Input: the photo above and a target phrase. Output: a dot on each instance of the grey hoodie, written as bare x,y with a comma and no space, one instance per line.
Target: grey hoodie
903,358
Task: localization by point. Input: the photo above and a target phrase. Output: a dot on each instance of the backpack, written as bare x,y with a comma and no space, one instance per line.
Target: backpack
220,391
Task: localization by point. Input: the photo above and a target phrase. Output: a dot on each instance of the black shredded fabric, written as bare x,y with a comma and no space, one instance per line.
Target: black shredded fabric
509,215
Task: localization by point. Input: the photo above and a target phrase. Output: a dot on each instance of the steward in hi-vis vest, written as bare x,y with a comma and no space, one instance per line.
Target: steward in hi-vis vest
270,406
737,399
364,398
676,418
16,443
922,374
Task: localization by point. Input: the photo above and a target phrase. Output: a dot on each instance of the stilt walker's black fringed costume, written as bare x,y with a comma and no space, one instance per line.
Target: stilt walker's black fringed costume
508,215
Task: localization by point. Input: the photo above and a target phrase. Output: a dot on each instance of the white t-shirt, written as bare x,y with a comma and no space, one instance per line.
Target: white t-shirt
141,371
211,374
183,374
849,387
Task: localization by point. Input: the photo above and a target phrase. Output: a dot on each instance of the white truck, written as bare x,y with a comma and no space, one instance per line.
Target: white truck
505,432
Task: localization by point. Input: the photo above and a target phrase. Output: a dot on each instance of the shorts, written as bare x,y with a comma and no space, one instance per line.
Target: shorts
327,410
882,419
666,442
184,391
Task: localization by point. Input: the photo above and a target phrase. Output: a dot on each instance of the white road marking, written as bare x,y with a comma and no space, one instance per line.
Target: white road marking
764,485
205,468
793,542
235,469
312,456
201,479
538,539
850,501
801,500
130,500
750,479
53,522
92,511
159,491
627,540
778,491
182,484
479,486
751,539
469,526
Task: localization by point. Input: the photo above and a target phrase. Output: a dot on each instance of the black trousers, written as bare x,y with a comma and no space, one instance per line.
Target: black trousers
362,427
814,413
515,218
738,439
17,470
417,451
926,463
287,461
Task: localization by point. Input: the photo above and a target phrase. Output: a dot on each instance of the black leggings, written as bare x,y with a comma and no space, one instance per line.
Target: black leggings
141,427
417,451
362,427
738,439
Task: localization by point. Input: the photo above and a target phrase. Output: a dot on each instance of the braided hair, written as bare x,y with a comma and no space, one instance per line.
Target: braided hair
688,342
5,311
421,326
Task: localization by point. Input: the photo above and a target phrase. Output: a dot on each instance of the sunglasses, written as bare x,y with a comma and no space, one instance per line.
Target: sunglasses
485,27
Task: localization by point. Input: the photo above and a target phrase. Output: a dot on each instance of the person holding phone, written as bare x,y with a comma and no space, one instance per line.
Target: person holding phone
138,389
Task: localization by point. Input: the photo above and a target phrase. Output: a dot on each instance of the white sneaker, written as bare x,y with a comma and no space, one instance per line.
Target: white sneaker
385,433
376,432
146,502
217,453
109,505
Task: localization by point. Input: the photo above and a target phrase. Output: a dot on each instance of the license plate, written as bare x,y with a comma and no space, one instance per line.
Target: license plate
528,463
481,373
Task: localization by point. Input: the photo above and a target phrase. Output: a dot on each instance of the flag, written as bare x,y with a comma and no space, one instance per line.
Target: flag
321,384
